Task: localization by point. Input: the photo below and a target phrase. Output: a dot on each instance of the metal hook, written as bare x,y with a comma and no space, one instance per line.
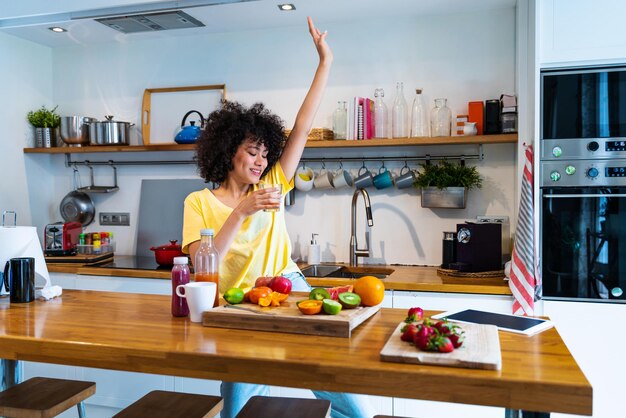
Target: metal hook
340,164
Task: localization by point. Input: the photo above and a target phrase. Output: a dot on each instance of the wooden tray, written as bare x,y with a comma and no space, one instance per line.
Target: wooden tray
476,275
82,259
287,318
480,350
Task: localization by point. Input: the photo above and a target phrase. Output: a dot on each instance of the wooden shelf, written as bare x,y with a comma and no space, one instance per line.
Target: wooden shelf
389,142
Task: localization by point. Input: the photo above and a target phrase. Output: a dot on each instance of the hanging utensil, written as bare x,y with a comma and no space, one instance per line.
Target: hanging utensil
76,205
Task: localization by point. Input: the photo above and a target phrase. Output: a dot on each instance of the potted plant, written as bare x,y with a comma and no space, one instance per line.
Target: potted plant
46,123
445,185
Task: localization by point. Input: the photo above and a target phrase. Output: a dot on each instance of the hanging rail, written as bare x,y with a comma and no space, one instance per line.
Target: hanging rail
427,157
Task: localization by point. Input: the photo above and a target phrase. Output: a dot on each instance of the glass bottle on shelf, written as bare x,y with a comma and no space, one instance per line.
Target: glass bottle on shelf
399,113
380,115
180,275
207,261
419,125
340,121
440,119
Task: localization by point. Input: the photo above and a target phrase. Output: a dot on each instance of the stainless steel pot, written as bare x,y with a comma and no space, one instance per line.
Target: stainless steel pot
75,129
109,132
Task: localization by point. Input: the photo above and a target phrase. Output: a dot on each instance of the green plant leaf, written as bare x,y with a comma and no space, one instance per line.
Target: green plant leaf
44,118
447,174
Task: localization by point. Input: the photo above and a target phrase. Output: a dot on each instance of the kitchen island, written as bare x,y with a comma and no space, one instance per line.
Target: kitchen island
135,332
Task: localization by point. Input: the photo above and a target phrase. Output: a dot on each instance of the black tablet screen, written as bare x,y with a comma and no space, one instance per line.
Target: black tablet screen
519,323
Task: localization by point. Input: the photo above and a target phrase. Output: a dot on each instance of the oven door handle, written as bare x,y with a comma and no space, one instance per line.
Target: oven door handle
560,196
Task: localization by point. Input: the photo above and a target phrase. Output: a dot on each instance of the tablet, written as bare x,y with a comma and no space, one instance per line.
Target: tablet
513,323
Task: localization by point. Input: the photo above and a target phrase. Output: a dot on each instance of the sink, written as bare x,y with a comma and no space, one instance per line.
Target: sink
320,270
345,272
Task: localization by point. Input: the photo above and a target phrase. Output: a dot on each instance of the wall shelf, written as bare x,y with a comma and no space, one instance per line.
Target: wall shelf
389,142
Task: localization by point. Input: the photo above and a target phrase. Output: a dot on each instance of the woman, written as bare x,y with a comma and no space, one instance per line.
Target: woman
239,148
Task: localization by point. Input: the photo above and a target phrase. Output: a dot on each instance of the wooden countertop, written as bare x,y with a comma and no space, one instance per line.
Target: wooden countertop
136,332
410,278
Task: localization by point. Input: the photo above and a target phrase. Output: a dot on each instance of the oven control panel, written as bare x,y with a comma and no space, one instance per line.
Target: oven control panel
582,149
581,173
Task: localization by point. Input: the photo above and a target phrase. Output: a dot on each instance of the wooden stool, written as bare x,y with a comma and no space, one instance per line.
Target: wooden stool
274,407
42,397
163,404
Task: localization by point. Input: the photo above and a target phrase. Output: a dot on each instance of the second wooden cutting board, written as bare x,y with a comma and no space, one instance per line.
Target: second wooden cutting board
480,350
287,318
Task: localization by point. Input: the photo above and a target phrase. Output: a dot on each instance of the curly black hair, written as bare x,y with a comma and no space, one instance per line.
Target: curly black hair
227,128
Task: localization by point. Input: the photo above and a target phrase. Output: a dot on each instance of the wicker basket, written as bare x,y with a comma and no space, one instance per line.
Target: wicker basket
317,134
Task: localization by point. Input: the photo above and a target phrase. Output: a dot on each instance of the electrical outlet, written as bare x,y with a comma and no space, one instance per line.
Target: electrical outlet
502,219
115,218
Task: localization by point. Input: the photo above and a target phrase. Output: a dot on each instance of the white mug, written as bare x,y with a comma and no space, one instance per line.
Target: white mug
342,178
300,182
200,297
324,180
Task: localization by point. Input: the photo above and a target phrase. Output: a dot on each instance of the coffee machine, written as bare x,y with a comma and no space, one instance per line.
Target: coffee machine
483,244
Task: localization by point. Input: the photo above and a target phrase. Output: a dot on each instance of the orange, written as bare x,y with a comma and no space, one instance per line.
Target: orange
257,293
371,290
310,307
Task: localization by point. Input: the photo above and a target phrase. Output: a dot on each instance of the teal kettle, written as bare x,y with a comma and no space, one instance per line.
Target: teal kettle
189,134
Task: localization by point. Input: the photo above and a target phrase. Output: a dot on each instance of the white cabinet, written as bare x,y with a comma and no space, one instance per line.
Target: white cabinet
595,335
581,32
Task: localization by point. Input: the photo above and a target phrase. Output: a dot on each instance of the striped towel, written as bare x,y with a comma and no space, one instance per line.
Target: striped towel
525,282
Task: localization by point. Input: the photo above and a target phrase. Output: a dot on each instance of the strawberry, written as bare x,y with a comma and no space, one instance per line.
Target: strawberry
414,314
408,332
423,337
457,339
442,344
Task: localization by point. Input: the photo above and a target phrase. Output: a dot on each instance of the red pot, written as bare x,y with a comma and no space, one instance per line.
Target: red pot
165,254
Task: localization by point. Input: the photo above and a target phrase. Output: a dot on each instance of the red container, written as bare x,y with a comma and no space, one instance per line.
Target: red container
165,254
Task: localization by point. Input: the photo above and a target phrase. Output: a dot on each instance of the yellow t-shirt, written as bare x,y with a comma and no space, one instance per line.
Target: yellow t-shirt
261,246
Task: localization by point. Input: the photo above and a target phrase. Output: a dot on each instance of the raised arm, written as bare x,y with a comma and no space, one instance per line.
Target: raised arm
297,139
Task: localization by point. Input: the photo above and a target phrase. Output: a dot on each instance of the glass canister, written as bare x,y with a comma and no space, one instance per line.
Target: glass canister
381,118
399,124
419,125
340,121
440,118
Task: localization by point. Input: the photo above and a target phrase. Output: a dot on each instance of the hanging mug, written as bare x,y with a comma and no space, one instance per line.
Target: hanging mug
364,178
383,179
406,178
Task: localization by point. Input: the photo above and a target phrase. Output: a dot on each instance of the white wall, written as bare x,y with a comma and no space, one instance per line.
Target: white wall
25,85
462,57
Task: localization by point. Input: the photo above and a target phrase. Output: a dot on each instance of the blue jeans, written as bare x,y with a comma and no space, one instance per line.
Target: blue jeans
343,405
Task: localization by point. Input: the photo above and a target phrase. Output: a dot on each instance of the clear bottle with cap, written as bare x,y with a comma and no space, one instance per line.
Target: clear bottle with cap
400,112
419,125
314,256
381,115
180,275
340,121
206,262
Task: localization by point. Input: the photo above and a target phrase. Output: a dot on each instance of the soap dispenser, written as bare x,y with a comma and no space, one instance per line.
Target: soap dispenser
314,251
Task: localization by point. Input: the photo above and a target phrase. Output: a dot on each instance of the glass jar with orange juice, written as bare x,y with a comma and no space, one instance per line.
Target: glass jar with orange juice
206,261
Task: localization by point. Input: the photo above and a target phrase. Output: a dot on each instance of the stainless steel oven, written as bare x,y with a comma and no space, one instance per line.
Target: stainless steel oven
583,230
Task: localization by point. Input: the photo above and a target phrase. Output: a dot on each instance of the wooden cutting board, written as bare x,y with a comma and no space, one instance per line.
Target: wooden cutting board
480,350
287,318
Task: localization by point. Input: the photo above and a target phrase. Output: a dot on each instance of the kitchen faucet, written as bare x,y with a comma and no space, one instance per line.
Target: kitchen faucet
355,251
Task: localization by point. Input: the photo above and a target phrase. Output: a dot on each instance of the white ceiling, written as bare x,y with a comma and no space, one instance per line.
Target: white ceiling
30,19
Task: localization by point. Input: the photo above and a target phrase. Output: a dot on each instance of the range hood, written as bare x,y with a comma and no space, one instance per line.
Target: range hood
149,22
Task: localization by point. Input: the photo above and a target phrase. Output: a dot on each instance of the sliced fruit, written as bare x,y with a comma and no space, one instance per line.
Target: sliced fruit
265,300
278,297
310,307
259,292
371,289
336,291
234,295
349,300
331,307
319,293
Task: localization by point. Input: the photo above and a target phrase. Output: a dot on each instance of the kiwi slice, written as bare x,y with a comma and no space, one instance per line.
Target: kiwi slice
319,293
331,307
349,300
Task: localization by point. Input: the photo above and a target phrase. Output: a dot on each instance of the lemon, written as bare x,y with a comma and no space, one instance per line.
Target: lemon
304,176
234,296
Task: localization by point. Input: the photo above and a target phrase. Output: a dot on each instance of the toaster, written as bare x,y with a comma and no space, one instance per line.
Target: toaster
61,238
